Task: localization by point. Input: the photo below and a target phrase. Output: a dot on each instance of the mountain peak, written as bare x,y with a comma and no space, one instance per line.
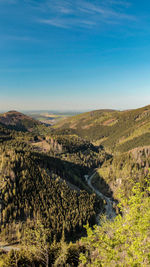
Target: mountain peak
18,120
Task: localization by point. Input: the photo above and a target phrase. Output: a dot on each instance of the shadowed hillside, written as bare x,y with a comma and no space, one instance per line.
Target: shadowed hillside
18,121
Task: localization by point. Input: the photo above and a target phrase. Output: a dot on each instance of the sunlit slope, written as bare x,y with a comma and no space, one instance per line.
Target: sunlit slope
18,121
116,130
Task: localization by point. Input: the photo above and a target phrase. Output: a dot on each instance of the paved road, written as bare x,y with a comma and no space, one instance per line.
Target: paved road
110,213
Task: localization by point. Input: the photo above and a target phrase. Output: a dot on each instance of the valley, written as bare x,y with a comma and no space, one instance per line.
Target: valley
109,211
50,117
57,178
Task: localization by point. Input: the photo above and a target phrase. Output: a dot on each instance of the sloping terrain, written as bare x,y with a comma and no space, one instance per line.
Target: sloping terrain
115,130
5,133
32,188
123,170
18,121
45,183
44,174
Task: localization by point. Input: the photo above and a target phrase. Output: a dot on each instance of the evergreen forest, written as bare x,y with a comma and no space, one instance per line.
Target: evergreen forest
76,193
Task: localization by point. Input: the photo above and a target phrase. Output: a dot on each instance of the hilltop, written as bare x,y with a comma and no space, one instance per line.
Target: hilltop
115,130
18,121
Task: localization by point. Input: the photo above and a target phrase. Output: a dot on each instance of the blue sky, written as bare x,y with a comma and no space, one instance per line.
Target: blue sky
74,54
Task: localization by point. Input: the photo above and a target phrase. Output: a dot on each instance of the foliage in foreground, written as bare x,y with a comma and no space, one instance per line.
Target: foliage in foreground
124,241
60,254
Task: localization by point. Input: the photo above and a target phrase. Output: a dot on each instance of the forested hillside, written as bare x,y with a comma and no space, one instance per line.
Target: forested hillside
46,199
115,130
18,121
122,171
46,184
32,188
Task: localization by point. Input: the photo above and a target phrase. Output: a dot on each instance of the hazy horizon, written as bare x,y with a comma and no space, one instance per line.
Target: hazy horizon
63,111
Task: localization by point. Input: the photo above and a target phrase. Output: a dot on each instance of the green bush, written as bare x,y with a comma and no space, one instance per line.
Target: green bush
124,241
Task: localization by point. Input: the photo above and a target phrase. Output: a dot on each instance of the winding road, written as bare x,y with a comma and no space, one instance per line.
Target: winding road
110,213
